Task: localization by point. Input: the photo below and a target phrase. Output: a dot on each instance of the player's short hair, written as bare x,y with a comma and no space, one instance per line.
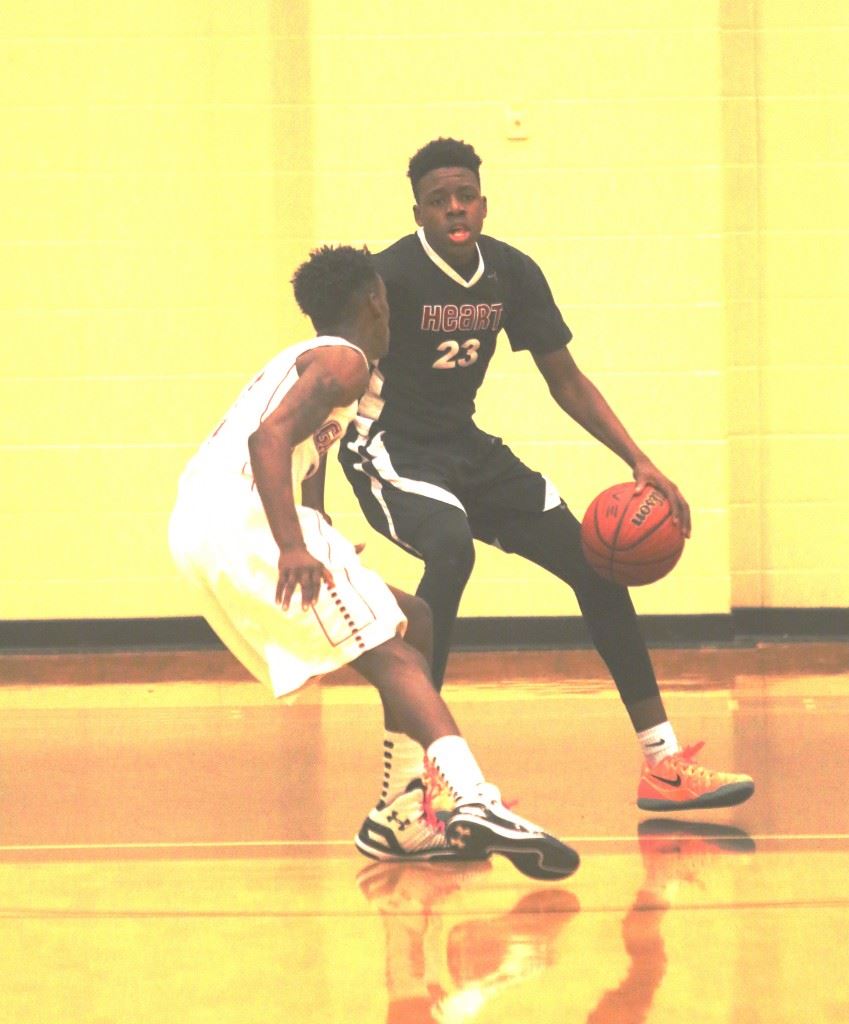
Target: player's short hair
442,153
326,283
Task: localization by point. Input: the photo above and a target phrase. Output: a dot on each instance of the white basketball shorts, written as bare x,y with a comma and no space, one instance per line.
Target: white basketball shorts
222,544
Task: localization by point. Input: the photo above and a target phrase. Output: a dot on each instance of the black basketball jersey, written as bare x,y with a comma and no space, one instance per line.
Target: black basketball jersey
443,331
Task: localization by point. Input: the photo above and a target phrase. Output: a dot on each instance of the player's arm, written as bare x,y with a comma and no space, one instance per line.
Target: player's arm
328,377
576,394
312,489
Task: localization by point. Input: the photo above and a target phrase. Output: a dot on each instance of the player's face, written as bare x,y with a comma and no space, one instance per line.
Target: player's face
451,210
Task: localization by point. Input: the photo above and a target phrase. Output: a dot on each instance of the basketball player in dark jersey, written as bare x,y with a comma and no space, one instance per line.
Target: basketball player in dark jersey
428,478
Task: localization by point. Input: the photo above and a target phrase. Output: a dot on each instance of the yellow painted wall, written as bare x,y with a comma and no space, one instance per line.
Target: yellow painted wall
157,191
682,183
789,369
617,191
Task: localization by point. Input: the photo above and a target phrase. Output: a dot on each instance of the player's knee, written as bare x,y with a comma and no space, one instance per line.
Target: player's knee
446,544
600,598
389,662
455,561
418,613
419,625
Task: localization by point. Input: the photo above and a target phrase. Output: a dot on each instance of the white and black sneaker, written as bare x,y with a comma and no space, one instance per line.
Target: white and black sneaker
400,830
476,830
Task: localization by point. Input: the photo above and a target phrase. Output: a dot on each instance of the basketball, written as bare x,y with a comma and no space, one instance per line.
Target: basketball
631,539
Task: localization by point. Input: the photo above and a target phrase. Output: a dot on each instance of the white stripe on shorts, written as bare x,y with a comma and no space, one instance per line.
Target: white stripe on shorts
386,473
552,496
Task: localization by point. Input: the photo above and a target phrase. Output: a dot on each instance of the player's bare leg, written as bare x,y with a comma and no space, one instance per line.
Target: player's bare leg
403,757
402,678
419,622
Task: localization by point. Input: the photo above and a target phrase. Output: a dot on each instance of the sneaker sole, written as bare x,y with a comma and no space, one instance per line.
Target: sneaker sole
725,796
386,853
537,855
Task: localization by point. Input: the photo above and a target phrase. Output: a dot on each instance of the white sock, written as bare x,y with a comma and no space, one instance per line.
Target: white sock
658,742
403,760
455,762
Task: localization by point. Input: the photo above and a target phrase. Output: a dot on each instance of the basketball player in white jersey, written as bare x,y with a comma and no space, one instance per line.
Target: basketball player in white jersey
288,594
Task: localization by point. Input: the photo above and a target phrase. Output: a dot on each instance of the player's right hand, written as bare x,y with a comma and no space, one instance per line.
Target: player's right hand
298,568
647,474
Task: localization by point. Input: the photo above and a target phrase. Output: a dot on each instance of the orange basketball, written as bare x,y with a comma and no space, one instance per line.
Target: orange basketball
629,538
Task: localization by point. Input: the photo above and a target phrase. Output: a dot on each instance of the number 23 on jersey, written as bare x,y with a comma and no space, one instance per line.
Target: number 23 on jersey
456,353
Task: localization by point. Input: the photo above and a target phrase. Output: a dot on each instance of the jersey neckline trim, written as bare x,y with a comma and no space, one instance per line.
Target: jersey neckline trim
446,268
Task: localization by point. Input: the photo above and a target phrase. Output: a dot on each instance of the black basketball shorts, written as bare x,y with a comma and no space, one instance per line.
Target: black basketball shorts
399,481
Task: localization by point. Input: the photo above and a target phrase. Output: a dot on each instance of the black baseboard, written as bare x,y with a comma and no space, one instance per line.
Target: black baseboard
553,632
742,626
823,623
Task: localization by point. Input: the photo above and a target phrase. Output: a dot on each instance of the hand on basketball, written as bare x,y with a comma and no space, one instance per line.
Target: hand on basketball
298,568
646,474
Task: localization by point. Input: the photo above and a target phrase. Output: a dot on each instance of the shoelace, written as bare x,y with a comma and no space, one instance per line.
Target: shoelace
692,768
491,795
435,787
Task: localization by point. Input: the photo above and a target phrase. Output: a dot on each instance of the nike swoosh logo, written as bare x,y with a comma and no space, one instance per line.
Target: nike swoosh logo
669,782
659,743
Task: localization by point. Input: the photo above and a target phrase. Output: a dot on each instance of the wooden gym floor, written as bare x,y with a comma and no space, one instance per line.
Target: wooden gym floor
178,848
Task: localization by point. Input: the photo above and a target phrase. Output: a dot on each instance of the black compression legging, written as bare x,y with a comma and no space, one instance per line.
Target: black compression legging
445,542
551,540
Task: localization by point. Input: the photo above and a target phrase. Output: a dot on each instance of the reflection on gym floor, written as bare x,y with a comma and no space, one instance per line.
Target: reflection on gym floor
183,850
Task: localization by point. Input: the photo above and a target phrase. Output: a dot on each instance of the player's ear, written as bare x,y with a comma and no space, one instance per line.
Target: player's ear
483,205
417,215
374,302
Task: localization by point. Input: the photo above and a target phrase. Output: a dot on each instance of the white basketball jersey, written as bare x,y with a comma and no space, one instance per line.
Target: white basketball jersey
225,451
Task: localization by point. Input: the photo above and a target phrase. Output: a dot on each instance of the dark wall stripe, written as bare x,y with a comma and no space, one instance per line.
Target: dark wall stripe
742,625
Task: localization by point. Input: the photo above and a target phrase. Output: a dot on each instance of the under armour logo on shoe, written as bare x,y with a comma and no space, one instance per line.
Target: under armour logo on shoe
461,834
402,823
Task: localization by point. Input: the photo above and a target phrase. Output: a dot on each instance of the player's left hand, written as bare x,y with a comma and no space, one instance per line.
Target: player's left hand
298,568
646,474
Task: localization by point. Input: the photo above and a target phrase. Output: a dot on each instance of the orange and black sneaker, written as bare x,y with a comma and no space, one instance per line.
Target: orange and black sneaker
679,783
